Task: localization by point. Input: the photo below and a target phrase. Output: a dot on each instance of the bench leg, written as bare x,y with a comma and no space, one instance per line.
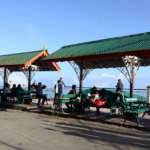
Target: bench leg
125,118
143,115
137,120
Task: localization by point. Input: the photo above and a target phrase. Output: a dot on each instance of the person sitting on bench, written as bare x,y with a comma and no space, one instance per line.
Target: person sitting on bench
13,90
6,93
72,91
96,99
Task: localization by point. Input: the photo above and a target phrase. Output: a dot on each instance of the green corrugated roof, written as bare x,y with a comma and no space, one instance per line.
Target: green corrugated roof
129,43
18,58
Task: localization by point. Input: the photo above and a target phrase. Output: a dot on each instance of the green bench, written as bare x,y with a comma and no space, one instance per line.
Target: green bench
73,100
25,96
66,98
81,104
132,107
21,96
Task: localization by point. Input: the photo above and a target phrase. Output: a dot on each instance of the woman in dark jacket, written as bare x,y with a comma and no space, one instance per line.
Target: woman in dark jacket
119,89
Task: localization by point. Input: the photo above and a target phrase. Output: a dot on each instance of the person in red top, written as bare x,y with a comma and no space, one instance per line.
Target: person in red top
72,91
96,99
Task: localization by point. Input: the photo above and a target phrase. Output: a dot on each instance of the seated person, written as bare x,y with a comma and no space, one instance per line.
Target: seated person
96,99
94,92
39,92
72,91
33,90
34,84
19,93
19,88
6,93
13,90
7,89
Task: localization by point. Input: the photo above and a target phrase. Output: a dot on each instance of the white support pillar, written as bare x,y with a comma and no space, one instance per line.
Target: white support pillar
132,64
148,94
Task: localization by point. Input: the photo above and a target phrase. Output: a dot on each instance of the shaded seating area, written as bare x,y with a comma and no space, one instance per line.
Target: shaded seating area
16,95
128,109
125,53
27,63
79,102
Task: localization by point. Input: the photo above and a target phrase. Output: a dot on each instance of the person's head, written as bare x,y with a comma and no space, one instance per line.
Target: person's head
94,87
19,85
60,79
34,83
14,86
73,86
119,80
39,84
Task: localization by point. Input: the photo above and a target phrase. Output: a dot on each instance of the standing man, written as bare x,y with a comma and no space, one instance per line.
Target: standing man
61,86
119,89
56,96
40,95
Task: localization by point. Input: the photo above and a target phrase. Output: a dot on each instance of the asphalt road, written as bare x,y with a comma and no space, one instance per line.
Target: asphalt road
30,131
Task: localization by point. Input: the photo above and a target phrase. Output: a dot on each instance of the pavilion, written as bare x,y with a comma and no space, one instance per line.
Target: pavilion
126,53
26,62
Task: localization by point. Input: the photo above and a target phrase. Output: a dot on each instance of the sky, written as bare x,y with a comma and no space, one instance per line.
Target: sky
27,25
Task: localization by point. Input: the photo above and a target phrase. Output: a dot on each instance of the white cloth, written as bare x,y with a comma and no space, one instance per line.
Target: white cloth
96,96
56,88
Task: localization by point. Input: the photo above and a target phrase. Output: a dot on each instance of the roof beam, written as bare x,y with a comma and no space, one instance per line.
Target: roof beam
28,63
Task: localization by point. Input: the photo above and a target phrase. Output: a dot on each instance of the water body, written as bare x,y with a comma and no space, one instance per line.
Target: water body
50,91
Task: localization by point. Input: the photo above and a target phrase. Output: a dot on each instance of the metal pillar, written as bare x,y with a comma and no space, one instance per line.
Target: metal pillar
30,73
80,72
132,80
5,77
81,78
148,94
29,79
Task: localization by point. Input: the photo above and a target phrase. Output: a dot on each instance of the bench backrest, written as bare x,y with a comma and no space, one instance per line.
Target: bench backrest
68,96
130,100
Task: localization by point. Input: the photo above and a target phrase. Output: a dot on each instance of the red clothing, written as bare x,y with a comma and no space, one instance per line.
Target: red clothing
98,102
73,91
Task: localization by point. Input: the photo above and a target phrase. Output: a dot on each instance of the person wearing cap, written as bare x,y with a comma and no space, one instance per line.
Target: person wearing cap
119,89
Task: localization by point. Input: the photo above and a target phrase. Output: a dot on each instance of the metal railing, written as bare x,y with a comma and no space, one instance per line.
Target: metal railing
50,91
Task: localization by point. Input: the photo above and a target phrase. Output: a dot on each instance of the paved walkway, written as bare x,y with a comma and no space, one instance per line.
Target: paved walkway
32,131
104,116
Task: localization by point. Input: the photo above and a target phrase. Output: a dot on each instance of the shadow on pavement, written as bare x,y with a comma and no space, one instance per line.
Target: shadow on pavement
109,136
11,146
